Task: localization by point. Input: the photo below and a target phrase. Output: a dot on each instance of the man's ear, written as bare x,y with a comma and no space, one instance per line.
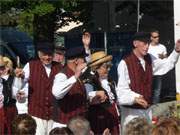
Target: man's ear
135,44
75,60
91,132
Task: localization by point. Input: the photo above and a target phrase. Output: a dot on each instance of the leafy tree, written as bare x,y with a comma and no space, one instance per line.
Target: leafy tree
39,17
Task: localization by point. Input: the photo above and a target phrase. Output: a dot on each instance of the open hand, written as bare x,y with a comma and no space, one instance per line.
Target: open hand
86,38
79,69
141,101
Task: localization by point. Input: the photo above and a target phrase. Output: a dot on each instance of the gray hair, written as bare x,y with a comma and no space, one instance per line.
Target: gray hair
79,126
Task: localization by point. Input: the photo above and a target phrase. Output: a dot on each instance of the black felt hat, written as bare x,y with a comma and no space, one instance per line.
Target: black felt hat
45,47
76,52
142,36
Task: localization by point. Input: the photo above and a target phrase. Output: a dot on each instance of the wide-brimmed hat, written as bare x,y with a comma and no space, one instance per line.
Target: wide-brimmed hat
45,47
98,58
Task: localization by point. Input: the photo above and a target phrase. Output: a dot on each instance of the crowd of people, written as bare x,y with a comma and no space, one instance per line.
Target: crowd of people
70,91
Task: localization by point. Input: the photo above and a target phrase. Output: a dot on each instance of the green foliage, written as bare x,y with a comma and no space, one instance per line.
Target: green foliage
23,12
25,22
43,9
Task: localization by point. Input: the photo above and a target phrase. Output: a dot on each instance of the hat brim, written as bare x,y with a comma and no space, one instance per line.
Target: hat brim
59,52
100,61
144,40
46,51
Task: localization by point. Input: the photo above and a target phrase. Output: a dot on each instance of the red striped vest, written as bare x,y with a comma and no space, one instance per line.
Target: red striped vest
141,81
74,102
40,90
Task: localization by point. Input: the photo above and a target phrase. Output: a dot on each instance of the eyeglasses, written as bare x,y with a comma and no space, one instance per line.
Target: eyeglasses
155,36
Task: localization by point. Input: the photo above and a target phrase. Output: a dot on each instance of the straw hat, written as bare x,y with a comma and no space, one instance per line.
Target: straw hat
99,58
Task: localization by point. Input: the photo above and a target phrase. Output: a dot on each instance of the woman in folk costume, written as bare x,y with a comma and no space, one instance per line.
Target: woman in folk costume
9,104
103,115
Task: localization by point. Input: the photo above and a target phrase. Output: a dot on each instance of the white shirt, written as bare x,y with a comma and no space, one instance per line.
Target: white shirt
105,85
62,85
155,50
160,67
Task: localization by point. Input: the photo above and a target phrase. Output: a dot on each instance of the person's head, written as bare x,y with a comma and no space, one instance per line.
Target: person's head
166,126
79,126
101,62
6,65
59,54
86,39
45,52
76,55
86,34
138,126
61,131
141,43
24,124
154,36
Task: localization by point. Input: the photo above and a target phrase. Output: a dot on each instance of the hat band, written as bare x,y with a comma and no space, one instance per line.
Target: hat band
96,60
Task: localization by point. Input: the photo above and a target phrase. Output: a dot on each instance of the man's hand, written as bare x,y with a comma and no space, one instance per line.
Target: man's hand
79,69
19,73
86,39
106,131
162,56
177,46
141,101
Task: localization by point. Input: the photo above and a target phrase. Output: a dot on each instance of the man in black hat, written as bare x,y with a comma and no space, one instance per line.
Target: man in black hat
68,89
135,73
38,78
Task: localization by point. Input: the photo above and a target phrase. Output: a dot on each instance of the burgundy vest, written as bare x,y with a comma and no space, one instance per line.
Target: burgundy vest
40,90
74,102
141,81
